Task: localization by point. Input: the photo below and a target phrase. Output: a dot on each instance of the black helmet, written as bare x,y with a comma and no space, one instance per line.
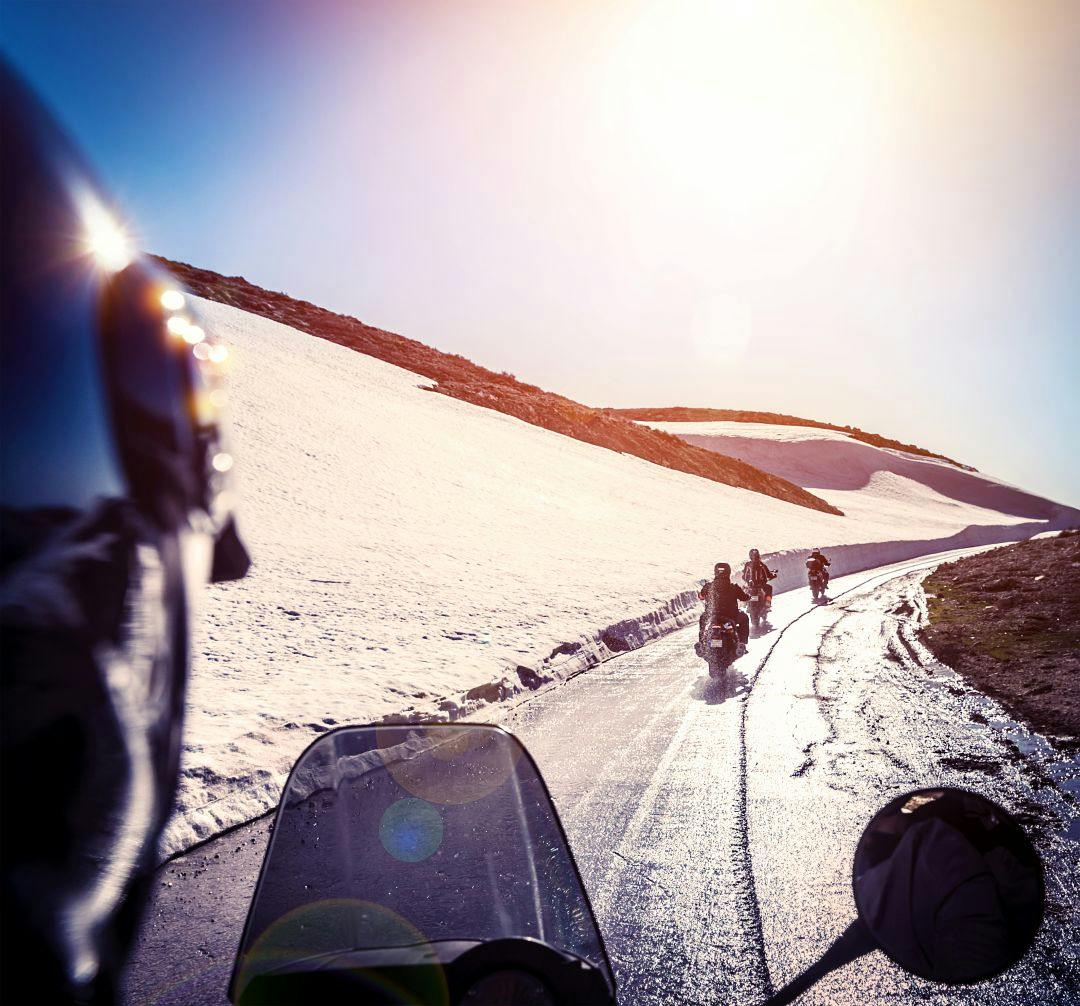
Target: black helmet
755,554
722,568
114,504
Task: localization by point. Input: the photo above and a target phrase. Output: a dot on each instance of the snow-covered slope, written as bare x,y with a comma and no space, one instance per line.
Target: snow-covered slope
852,474
417,554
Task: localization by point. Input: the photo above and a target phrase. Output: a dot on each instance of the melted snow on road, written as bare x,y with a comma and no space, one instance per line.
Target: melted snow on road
414,554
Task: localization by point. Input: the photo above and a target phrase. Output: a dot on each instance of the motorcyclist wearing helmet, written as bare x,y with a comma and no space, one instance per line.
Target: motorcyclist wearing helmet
756,575
722,598
822,563
113,507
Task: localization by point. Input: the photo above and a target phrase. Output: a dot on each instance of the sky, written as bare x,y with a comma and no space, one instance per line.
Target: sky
861,213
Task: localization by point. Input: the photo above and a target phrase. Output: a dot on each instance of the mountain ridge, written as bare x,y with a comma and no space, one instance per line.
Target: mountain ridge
457,377
690,414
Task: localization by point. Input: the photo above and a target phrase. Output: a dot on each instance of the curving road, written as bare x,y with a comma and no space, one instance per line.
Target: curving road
715,831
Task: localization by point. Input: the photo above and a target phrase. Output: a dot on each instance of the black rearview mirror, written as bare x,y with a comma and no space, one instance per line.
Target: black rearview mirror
947,885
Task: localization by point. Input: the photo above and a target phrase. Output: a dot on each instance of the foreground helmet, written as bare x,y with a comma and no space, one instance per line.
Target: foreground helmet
722,569
755,554
113,506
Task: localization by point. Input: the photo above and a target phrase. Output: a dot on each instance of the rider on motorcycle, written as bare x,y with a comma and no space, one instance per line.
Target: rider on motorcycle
722,598
756,575
822,563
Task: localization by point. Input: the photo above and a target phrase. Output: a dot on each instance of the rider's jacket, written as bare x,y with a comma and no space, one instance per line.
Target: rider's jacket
723,597
820,558
756,573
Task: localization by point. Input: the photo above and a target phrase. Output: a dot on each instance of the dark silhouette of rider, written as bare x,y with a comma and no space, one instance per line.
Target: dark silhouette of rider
722,598
822,562
757,575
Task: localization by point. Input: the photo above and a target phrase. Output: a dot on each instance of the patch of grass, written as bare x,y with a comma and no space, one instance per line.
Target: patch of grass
1009,620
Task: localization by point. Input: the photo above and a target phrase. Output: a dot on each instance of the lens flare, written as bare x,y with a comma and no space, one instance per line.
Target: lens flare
335,925
457,767
411,830
205,413
178,324
219,353
222,462
193,335
172,300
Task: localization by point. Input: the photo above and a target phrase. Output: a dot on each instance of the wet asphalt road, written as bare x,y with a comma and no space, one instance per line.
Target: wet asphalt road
715,829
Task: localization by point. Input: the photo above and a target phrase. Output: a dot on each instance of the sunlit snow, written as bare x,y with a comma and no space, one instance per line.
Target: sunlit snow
409,547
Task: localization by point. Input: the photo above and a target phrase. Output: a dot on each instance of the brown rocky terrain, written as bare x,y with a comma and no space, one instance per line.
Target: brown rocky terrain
1009,621
679,414
463,379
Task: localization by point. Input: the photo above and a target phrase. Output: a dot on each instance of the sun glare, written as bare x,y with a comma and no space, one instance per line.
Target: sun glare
105,239
739,114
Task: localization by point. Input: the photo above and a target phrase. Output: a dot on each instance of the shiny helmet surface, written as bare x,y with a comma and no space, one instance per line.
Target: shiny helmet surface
114,509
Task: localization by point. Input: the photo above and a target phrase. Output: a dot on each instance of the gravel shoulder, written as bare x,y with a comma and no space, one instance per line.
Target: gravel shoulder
1008,620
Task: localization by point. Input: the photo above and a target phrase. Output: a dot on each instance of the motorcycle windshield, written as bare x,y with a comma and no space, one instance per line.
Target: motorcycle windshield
401,836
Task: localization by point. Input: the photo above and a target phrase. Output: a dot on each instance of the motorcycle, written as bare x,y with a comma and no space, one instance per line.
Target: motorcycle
721,646
757,607
426,864
815,576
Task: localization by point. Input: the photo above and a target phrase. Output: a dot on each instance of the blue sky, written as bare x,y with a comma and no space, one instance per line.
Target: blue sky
868,214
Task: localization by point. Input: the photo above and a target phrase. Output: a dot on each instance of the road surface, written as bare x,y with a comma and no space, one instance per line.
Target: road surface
715,829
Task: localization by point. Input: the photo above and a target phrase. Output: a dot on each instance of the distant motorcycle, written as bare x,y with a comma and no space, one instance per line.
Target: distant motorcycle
815,576
757,608
759,604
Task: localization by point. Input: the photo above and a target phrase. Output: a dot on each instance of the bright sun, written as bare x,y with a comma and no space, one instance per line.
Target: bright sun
744,105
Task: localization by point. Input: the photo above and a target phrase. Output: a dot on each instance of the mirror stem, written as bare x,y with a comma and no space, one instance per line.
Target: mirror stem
853,942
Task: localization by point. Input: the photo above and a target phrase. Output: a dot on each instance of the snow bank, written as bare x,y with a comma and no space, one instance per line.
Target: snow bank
417,555
834,466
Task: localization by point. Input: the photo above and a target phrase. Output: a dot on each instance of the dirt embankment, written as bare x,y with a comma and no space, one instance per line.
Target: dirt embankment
680,414
1009,621
463,379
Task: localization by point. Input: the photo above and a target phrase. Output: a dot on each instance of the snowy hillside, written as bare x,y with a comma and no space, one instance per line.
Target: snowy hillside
851,474
417,554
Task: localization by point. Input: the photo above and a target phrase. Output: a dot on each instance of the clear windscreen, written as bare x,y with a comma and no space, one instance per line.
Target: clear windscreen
399,836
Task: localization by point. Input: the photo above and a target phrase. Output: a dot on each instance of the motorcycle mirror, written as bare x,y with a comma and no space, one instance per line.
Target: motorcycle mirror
947,884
